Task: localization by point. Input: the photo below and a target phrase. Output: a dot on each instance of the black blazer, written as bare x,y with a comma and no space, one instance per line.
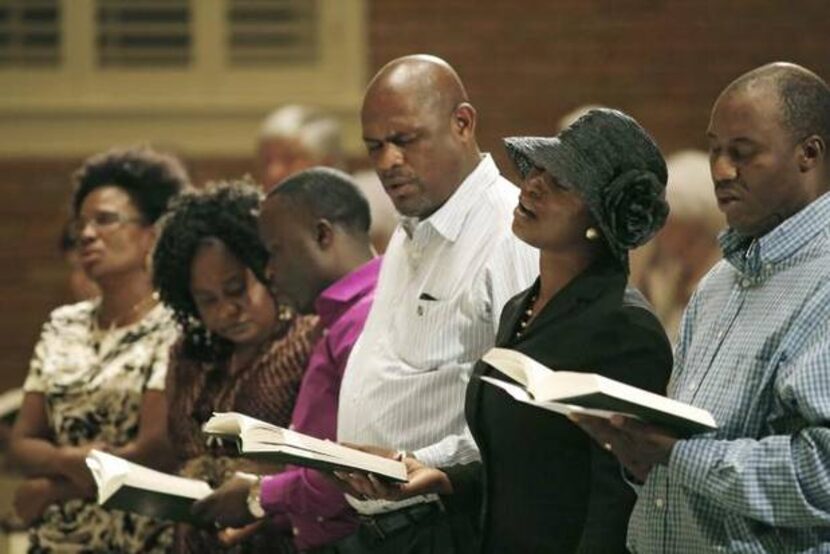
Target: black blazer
543,485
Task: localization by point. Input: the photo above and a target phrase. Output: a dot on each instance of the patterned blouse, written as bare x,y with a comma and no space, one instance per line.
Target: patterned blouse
265,389
92,382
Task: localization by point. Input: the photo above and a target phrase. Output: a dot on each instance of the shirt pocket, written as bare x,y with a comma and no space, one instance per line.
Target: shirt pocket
422,334
431,330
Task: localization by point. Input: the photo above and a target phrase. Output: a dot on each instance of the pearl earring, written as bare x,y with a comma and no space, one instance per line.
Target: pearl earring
591,234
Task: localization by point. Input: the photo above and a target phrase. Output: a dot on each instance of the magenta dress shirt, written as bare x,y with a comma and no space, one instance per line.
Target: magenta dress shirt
300,498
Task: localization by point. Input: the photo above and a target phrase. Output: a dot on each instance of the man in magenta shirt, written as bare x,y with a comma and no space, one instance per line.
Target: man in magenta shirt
315,226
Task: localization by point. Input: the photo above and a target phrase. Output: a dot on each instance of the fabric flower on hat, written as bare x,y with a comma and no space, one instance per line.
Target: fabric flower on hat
617,168
634,208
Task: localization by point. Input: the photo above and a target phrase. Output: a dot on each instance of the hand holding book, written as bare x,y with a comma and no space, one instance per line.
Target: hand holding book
638,446
590,394
258,439
422,480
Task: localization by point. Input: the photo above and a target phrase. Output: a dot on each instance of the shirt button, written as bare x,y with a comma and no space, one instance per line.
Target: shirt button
720,335
691,387
295,531
745,282
420,310
659,502
320,519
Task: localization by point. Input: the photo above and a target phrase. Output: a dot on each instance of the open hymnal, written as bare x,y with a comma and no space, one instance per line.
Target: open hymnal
258,439
570,392
124,485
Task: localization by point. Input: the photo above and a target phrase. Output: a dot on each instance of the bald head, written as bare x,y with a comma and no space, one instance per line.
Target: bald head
424,79
419,130
802,96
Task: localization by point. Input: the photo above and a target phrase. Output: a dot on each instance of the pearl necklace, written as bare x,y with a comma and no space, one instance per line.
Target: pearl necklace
527,315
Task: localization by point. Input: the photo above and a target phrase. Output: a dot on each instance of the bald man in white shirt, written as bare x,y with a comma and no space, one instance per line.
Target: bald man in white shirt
451,265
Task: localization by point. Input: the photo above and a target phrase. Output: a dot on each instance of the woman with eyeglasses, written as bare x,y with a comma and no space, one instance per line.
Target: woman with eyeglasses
240,350
97,375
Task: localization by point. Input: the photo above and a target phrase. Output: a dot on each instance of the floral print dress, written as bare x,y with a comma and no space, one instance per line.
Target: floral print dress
92,382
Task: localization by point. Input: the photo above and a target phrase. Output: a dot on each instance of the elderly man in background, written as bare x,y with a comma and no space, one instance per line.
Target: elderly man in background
295,137
668,268
450,267
754,344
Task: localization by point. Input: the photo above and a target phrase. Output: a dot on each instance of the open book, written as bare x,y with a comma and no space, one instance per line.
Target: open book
258,439
568,392
123,485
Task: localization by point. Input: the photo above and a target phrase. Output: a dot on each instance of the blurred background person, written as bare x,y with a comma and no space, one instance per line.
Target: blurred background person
97,375
297,137
240,350
668,268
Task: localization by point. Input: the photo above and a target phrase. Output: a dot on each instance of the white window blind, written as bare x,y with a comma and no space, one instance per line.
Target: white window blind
144,33
29,33
271,32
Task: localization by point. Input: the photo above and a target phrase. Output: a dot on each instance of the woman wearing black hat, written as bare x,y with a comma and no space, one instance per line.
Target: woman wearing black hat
588,196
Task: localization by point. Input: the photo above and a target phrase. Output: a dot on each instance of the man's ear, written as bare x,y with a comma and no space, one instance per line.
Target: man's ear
464,120
813,149
324,233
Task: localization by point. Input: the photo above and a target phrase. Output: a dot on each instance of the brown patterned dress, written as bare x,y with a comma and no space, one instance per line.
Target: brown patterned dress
264,389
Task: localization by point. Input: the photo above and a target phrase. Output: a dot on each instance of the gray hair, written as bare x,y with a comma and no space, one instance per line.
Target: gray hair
317,131
689,190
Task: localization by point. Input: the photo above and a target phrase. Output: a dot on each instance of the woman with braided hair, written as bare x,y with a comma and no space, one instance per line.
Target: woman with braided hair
240,350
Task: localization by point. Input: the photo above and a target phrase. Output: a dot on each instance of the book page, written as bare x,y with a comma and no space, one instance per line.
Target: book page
521,395
522,368
261,437
111,473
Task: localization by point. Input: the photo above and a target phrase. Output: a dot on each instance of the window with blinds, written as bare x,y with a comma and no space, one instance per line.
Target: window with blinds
29,33
143,33
271,32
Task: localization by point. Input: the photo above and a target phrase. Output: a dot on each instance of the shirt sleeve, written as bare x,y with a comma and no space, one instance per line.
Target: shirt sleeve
454,449
303,491
35,380
781,479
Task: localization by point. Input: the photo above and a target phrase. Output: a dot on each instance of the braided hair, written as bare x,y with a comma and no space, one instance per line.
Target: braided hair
226,211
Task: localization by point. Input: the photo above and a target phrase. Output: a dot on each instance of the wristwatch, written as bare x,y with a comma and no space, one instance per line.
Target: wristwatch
254,493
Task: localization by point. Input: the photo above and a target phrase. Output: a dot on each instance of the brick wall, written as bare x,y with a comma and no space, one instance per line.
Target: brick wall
525,63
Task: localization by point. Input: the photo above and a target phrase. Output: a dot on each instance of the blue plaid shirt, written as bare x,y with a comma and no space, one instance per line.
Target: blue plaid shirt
755,351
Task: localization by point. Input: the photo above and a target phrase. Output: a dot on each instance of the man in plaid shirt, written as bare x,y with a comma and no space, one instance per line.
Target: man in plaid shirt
754,348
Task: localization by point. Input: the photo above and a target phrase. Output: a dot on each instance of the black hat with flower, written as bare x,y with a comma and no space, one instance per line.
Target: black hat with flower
614,164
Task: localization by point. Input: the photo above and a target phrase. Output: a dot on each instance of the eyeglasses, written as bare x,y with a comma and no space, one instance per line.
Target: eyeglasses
102,221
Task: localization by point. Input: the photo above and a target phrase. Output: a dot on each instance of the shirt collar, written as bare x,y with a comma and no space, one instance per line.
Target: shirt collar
757,258
346,291
449,219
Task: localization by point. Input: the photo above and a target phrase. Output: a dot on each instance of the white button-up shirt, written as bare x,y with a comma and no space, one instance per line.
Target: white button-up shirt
442,286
